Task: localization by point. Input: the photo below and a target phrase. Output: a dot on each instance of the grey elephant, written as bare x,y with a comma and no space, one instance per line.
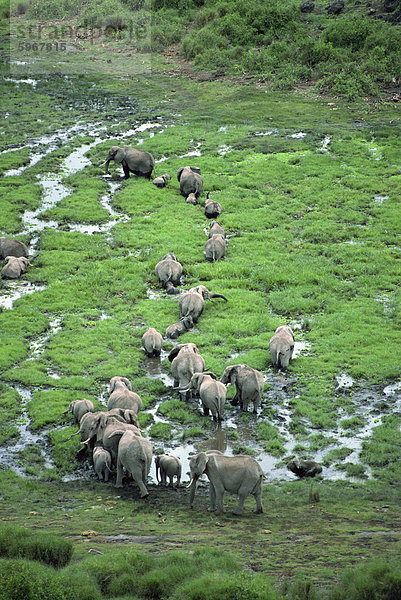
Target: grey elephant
216,228
192,302
152,342
212,393
215,247
241,475
132,160
191,199
135,458
122,396
102,463
304,468
185,361
10,247
101,432
249,384
14,267
212,208
168,466
162,180
124,415
169,272
190,180
177,329
281,346
79,408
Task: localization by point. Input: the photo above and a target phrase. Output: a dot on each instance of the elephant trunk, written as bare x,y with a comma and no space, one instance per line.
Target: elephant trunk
193,484
69,438
218,296
106,163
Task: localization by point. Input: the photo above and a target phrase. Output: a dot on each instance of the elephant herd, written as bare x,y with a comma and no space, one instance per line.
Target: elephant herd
15,255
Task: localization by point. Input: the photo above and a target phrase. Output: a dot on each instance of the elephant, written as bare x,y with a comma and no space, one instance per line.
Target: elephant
102,463
161,181
10,247
122,396
215,247
212,208
304,468
185,361
135,457
100,432
212,393
124,415
152,342
79,408
169,272
214,228
241,475
168,466
177,329
191,199
14,267
281,346
190,180
249,384
132,160
192,302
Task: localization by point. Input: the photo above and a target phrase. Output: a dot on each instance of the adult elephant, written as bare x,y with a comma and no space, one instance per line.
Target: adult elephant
192,302
169,272
107,431
212,393
215,247
168,466
122,396
79,408
249,385
152,342
281,346
135,458
185,361
190,180
10,247
14,267
132,160
241,475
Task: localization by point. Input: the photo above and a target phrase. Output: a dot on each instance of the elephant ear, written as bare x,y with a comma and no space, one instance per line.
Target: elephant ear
196,170
119,155
8,258
212,375
179,172
174,352
127,383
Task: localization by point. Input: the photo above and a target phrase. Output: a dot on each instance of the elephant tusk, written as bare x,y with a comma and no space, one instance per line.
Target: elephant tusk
190,483
86,442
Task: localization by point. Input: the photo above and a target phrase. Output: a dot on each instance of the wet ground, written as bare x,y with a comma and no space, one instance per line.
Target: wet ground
368,403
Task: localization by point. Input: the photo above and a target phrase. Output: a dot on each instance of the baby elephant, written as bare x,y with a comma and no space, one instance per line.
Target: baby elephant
10,247
161,181
215,248
191,199
212,208
177,329
152,342
214,228
281,346
304,468
14,267
168,466
102,463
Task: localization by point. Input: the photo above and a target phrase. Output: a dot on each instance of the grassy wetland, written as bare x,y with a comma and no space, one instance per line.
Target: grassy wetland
310,187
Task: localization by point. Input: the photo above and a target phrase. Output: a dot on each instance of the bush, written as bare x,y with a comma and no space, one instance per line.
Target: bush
378,581
22,543
351,32
26,580
53,9
222,586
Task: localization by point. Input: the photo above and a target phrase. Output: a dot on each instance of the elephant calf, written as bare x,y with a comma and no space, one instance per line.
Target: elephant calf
152,342
168,466
161,181
212,393
169,272
215,247
79,408
249,384
214,228
177,329
191,199
190,180
212,208
281,346
102,463
14,267
304,468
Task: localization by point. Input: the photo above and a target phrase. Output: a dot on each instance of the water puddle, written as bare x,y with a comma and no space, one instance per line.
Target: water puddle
325,144
37,347
380,199
16,289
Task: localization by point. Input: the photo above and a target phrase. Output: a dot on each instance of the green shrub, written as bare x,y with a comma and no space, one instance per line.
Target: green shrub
223,586
53,9
26,580
22,543
350,32
376,581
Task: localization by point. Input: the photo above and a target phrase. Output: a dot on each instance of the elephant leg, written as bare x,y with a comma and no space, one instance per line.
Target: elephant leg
258,497
120,472
241,499
235,400
219,491
212,497
171,480
205,411
126,170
